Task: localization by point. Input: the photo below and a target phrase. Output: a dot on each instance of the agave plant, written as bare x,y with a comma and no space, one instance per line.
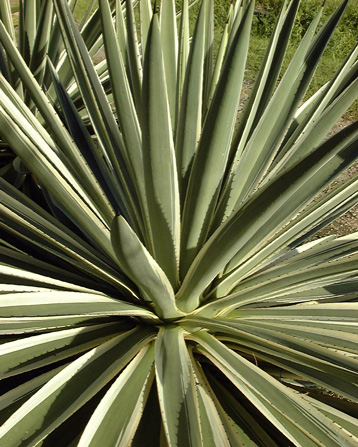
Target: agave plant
167,292
37,37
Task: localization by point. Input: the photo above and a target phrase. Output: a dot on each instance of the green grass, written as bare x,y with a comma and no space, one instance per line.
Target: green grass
81,9
343,40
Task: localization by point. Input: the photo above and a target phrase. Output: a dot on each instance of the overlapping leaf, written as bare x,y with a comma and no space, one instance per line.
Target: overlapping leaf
158,284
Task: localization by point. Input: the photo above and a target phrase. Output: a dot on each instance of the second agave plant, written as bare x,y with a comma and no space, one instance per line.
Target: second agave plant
160,284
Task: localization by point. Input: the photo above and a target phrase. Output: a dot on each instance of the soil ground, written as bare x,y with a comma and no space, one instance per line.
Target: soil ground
348,222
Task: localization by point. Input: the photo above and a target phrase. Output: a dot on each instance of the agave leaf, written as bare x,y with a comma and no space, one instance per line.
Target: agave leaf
329,117
30,12
304,370
71,388
95,159
123,100
325,210
23,270
260,316
26,112
344,139
219,60
329,336
56,303
18,211
230,16
311,110
121,31
269,133
183,53
312,263
216,427
32,325
347,422
6,18
161,179
97,104
335,312
41,42
300,422
280,199
253,156
121,92
169,37
87,14
21,29
139,265
36,351
261,91
92,32
237,6
97,46
304,357
13,399
35,152
209,52
300,118
189,123
150,431
299,284
211,156
54,51
134,59
77,57
4,68
91,29
176,388
146,14
309,320
10,275
267,77
248,429
92,36
314,217
109,424
36,132
37,95
313,268
236,18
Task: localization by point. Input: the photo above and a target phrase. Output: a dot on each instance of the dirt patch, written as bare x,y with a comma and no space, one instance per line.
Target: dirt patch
348,222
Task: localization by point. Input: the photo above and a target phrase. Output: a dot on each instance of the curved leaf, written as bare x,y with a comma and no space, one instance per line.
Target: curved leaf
161,178
109,424
71,388
176,389
300,421
139,265
209,163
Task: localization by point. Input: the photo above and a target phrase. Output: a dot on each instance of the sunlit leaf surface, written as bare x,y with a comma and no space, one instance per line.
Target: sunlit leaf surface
160,286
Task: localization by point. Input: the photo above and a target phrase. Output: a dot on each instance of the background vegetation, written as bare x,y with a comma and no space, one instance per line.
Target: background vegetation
266,13
345,37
